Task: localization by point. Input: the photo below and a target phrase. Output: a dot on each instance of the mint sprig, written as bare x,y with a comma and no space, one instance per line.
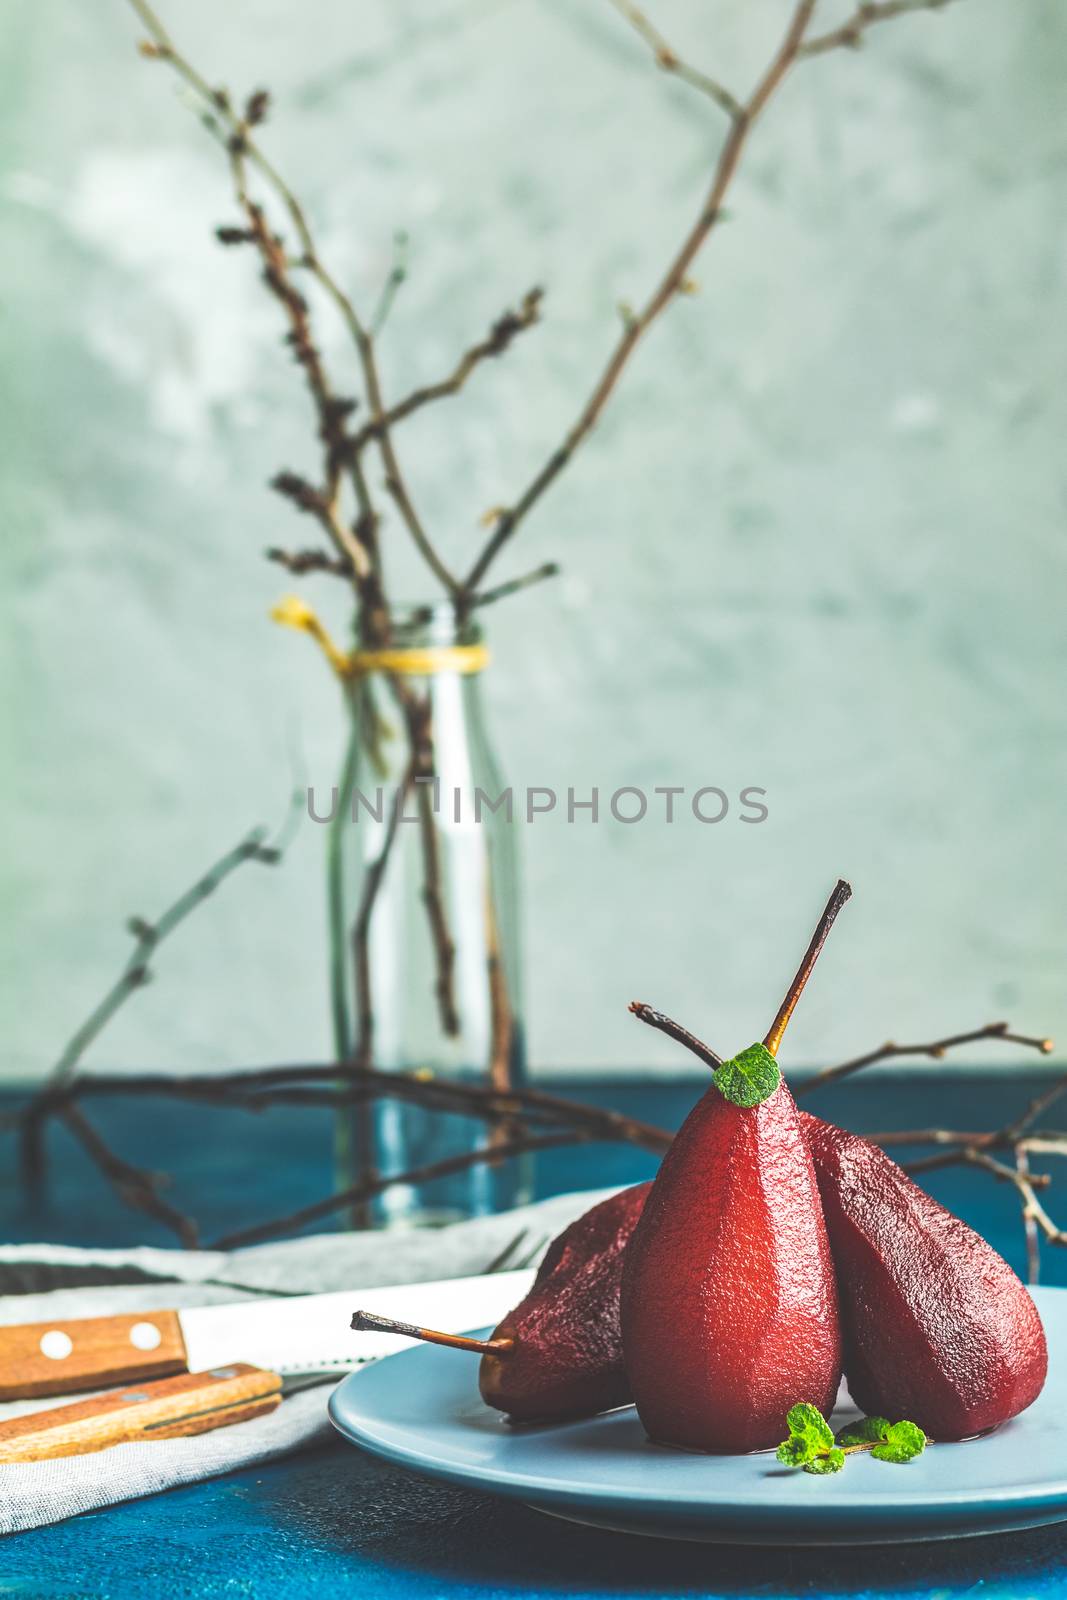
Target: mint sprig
749,1078
887,1441
903,1442
812,1445
865,1430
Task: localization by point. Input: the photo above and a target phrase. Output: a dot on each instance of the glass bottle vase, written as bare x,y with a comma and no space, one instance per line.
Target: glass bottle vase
424,925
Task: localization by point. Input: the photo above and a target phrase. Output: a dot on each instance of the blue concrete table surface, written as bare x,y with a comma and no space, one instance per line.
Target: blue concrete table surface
332,1521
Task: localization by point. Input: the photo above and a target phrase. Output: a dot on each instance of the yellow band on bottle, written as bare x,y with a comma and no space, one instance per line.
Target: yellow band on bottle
418,661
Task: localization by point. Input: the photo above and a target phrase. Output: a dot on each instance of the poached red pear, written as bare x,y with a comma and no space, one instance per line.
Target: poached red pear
729,1303
565,1357
558,1354
936,1325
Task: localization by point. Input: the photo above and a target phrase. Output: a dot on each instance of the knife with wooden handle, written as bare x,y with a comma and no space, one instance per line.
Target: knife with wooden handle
195,1402
297,1333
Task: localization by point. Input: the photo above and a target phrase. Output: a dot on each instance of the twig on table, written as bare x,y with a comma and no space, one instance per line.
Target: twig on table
534,1115
1033,1210
1040,1104
958,1147
133,1185
936,1049
1030,1228
333,1084
148,936
137,972
359,1193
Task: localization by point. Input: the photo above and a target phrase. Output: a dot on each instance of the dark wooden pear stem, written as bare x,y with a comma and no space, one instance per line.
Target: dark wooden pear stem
367,1322
674,1030
842,892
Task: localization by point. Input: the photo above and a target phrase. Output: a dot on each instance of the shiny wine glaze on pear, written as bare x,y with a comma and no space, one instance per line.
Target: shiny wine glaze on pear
729,1309
937,1327
566,1359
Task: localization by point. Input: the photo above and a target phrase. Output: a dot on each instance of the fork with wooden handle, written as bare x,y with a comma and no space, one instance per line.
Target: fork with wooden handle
194,1402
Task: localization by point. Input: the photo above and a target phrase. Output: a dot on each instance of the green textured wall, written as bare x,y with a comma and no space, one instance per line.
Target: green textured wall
816,545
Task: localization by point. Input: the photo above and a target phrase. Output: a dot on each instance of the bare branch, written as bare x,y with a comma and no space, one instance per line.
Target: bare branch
489,597
397,275
850,35
149,936
136,972
671,285
299,562
668,61
358,1194
1033,1210
133,1185
523,1115
1030,1229
936,1049
1041,1103
341,1083
244,147
496,342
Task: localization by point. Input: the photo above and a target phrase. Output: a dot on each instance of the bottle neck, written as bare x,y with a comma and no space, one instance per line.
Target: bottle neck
428,627
424,643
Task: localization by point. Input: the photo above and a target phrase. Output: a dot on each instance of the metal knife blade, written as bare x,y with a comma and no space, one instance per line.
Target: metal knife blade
300,1332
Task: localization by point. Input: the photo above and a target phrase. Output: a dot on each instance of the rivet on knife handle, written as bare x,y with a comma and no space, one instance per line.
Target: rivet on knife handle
71,1355
195,1402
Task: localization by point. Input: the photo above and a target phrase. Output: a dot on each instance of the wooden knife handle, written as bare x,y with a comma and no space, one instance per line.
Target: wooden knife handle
196,1402
78,1353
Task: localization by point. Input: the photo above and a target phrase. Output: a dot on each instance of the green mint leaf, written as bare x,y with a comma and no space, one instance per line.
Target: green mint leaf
796,1451
903,1442
811,1441
865,1430
749,1078
892,1452
808,1423
908,1434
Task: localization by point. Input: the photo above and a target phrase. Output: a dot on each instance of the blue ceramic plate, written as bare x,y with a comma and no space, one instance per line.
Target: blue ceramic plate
421,1409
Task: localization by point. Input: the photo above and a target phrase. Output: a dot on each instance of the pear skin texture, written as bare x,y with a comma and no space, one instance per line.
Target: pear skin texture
937,1327
566,1360
729,1306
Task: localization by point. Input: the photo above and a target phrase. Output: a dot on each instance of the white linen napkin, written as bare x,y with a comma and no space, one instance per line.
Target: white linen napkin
42,1282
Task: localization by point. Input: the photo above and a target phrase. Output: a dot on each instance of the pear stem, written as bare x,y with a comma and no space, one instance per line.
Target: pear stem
367,1322
674,1030
842,892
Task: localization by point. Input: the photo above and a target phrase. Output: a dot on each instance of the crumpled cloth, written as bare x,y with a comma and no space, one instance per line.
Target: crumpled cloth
42,1282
